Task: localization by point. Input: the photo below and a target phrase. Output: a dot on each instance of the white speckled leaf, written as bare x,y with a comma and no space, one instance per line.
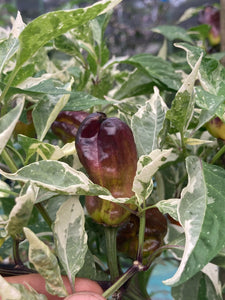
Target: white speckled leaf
182,107
46,264
57,176
8,123
147,122
70,236
201,212
50,25
147,166
9,46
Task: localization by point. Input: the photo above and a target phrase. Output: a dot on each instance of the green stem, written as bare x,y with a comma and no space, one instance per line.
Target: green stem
9,192
16,254
44,213
141,236
183,144
8,160
110,239
218,155
2,97
126,276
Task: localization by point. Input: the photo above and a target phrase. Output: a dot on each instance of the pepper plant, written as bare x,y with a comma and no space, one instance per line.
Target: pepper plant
144,181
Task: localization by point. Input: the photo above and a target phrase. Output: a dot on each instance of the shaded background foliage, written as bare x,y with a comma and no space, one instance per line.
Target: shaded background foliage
129,31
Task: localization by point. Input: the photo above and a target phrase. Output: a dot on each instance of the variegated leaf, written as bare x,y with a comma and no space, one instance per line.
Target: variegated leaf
21,212
147,122
46,264
8,123
147,166
70,236
57,176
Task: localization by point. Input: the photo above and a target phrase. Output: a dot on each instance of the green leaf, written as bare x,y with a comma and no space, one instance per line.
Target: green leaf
46,111
70,236
8,123
157,69
21,212
147,122
50,25
138,83
46,264
37,87
172,33
88,269
147,166
202,215
57,176
183,105
83,101
199,287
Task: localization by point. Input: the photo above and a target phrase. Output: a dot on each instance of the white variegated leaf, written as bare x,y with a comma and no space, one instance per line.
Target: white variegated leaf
8,123
21,212
57,176
70,236
169,206
17,26
212,271
46,264
147,166
49,110
201,212
147,122
8,291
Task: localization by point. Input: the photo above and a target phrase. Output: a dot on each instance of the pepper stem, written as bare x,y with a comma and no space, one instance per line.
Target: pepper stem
136,267
110,239
141,236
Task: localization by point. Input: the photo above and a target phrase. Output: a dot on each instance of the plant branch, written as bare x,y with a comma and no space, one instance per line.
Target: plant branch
8,160
136,267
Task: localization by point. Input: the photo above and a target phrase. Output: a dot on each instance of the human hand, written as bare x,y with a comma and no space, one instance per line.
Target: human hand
86,289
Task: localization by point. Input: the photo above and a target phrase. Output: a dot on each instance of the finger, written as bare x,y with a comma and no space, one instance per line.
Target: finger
38,283
85,296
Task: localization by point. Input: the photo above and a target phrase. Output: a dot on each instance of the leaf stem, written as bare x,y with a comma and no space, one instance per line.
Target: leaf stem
141,236
8,160
110,239
44,213
2,97
218,155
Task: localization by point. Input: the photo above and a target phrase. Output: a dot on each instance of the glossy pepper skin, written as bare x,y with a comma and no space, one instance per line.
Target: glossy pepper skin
66,124
107,150
216,127
155,231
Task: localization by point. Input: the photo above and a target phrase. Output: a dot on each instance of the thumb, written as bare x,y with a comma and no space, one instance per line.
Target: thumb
85,296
